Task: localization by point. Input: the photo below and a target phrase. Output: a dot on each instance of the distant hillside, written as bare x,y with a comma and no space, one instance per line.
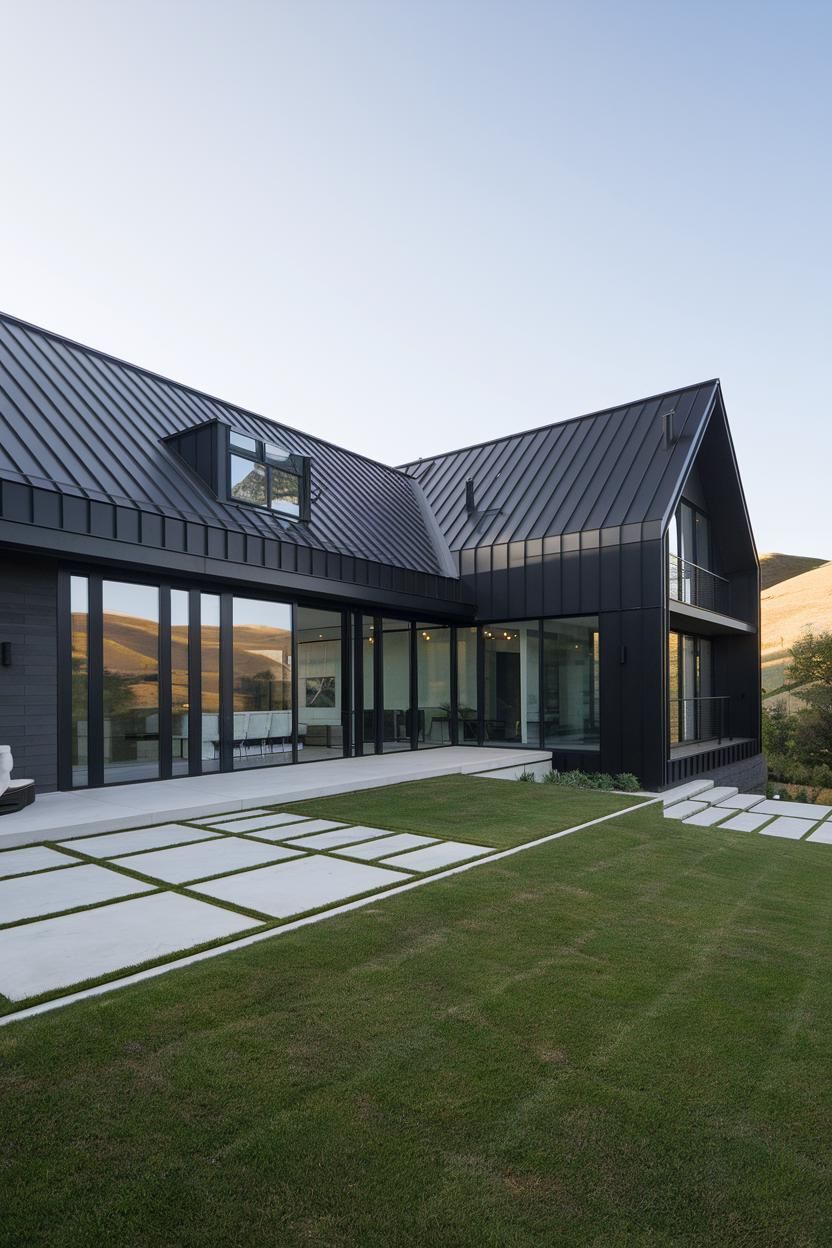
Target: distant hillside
776,567
789,609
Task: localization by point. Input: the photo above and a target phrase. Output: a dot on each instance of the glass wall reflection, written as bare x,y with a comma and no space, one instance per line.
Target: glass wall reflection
433,665
262,658
320,726
570,683
209,607
131,681
512,698
179,680
395,652
466,650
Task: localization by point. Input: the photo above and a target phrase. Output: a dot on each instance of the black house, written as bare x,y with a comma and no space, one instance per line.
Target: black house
187,587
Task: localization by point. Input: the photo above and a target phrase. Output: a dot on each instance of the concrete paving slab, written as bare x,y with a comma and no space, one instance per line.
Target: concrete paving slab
340,836
742,801
54,953
718,795
795,810
276,819
794,829
197,862
30,896
746,821
229,816
265,822
308,827
117,844
387,845
707,818
35,858
304,884
683,809
823,834
440,855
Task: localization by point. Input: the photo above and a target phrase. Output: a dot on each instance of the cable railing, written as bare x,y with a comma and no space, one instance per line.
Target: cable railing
698,719
696,586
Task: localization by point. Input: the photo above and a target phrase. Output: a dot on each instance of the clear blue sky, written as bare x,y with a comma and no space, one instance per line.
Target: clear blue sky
410,226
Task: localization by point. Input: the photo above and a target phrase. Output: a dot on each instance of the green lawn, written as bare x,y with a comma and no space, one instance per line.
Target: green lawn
618,1038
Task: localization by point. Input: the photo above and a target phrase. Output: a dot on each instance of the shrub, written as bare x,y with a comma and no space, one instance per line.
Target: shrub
593,780
527,777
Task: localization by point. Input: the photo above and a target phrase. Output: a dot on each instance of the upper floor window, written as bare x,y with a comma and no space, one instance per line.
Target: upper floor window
265,474
690,537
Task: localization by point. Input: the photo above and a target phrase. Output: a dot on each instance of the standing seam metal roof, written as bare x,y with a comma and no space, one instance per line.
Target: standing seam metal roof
83,423
602,470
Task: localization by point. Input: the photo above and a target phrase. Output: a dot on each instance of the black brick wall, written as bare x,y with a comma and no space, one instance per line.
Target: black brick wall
29,687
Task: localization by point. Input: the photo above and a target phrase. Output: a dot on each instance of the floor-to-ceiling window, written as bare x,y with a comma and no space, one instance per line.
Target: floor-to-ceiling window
130,681
262,666
570,683
511,711
433,667
179,695
209,611
364,730
320,685
695,714
466,651
395,650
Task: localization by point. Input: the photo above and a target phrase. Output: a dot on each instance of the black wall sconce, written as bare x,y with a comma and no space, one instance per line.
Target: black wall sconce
5,654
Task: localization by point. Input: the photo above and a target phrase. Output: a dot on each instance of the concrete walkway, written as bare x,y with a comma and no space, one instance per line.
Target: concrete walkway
111,809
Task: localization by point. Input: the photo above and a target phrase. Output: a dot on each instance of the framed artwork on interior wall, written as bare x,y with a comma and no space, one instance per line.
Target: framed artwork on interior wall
320,691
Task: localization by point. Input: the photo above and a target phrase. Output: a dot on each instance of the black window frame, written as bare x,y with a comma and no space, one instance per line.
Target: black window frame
292,465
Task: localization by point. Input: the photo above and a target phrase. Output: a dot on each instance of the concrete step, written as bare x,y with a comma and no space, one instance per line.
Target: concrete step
716,796
683,810
684,791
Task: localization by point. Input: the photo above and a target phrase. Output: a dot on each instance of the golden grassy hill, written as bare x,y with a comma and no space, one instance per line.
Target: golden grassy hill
788,610
776,567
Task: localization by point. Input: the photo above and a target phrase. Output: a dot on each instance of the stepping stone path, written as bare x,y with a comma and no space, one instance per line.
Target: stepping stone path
236,873
704,805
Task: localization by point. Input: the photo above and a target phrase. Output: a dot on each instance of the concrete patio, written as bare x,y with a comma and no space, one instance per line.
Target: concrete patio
111,809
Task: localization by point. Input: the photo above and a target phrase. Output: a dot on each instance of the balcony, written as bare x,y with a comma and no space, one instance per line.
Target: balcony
697,587
698,721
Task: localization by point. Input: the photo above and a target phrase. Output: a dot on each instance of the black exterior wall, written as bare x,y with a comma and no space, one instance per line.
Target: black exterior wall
29,684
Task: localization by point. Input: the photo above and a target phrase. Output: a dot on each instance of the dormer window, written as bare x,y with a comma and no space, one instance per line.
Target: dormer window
265,474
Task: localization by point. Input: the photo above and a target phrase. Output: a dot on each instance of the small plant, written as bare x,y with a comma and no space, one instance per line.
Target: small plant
625,781
527,777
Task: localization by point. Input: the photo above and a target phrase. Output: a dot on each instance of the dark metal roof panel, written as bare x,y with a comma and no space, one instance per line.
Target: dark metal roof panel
83,423
603,470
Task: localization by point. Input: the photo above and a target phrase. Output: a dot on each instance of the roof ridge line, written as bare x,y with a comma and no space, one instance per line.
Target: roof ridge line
570,420
184,385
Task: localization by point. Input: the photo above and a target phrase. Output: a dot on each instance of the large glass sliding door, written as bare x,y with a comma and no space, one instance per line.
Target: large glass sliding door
466,652
179,686
512,685
262,693
130,621
320,684
209,614
570,683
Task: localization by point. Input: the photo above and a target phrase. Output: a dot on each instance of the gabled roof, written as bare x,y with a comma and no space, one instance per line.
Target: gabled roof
82,423
600,471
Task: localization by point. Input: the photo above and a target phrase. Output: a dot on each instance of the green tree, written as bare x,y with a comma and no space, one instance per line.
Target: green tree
811,670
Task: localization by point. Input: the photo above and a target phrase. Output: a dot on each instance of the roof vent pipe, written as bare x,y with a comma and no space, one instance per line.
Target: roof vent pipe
470,501
669,428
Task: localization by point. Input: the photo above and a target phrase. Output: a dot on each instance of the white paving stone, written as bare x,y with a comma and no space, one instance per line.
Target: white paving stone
304,884
309,826
823,833
440,855
387,845
794,829
116,844
252,824
276,819
682,809
197,862
34,858
797,810
719,795
54,953
707,818
229,816
30,896
340,836
683,792
742,801
745,821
